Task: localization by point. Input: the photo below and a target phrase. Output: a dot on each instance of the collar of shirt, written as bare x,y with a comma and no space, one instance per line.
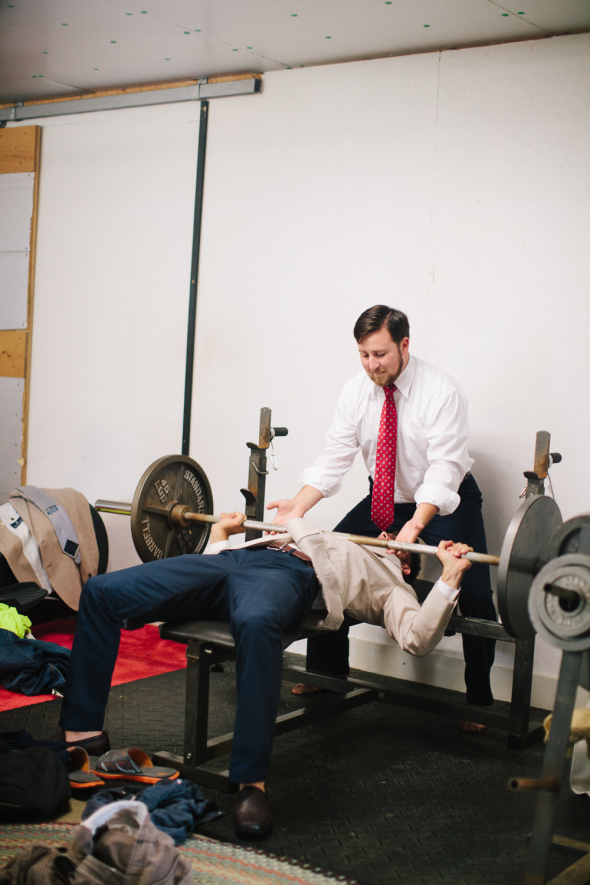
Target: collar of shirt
403,383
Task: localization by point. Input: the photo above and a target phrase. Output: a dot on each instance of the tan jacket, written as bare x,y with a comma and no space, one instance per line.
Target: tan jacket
65,576
367,584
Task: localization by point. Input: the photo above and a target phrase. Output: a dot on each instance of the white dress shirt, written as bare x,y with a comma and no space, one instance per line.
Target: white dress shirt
432,428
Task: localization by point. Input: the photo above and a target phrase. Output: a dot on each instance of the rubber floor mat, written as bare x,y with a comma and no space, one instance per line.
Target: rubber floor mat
379,794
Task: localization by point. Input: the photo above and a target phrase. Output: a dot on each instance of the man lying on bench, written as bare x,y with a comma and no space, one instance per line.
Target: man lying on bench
263,589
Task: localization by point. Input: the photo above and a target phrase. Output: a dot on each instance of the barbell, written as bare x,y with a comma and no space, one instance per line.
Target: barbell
172,514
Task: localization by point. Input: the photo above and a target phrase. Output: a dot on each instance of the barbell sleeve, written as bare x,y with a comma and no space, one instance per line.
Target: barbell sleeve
113,507
183,515
528,784
567,596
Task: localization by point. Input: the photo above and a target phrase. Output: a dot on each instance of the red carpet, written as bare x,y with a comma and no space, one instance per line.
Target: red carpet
141,654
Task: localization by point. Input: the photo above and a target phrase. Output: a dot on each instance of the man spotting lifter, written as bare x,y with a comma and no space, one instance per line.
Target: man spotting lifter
409,419
263,589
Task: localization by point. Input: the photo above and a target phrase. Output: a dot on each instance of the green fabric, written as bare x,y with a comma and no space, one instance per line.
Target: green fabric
11,620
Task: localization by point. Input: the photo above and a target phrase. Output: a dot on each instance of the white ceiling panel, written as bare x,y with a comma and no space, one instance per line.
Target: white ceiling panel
556,16
81,64
83,45
44,89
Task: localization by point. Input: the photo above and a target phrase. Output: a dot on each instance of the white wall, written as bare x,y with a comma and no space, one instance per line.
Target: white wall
454,186
116,207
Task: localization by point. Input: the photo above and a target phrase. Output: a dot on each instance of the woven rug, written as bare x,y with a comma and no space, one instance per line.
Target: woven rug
212,862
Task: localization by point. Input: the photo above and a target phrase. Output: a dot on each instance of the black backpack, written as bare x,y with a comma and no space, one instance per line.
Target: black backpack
33,783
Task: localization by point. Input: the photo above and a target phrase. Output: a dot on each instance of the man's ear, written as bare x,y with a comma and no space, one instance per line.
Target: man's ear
406,569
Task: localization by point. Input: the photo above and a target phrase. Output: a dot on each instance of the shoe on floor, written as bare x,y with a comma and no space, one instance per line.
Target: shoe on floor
253,814
94,746
130,764
79,774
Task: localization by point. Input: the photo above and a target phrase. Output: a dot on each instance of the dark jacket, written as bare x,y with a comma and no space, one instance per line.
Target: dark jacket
30,665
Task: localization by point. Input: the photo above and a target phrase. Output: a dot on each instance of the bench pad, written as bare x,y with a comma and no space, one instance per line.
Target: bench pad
218,632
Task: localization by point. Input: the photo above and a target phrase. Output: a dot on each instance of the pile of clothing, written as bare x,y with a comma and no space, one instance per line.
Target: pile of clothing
47,538
48,547
36,777
29,665
118,844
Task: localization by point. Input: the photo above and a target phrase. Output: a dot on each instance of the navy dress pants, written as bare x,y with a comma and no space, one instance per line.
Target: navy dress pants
262,593
329,653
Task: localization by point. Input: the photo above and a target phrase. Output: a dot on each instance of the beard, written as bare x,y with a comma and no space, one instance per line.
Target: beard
386,379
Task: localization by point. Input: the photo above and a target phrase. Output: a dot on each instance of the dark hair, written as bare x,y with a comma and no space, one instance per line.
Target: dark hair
382,317
415,566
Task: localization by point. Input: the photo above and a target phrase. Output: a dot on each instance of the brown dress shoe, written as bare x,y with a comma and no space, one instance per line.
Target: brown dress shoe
253,814
94,746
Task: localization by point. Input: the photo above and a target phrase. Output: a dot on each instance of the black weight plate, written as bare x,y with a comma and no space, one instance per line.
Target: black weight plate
524,551
174,479
572,537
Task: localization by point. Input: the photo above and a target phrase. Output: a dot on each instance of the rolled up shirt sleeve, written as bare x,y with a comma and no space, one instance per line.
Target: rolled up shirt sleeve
342,445
446,430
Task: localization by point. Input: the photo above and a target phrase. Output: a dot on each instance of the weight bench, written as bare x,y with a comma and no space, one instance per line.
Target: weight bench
210,642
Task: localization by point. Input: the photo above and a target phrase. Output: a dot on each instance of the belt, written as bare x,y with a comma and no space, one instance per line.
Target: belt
288,548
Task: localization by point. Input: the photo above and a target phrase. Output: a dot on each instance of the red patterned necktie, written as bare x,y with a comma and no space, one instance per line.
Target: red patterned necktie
384,485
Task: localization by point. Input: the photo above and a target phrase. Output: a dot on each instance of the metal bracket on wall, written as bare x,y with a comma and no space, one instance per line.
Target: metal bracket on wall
195,92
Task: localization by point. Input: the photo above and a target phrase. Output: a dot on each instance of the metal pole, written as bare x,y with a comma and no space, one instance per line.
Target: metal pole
192,304
356,539
183,516
553,769
520,701
257,474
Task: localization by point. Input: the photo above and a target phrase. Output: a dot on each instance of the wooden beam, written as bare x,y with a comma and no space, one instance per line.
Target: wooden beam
151,87
13,351
18,149
36,137
229,78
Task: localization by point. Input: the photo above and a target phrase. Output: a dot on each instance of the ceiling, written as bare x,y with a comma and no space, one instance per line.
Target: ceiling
67,47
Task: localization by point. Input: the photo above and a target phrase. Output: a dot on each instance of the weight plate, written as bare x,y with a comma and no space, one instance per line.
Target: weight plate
572,537
174,479
564,623
524,552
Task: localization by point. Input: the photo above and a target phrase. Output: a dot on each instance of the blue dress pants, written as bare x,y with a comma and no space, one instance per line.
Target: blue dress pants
262,593
329,653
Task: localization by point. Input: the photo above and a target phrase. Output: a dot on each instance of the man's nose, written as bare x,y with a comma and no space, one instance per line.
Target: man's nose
373,364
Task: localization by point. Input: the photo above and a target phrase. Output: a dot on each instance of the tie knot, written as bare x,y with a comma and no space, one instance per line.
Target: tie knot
389,391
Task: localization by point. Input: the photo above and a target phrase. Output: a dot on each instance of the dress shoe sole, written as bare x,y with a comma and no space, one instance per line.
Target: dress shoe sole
252,836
